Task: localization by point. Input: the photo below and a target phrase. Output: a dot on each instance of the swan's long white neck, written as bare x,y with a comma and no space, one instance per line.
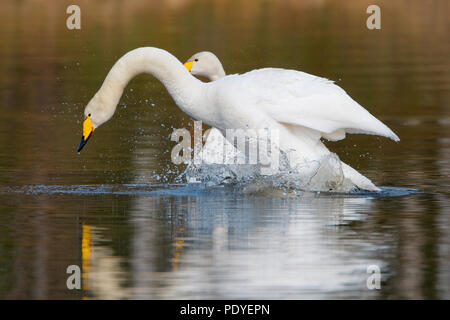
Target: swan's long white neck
182,86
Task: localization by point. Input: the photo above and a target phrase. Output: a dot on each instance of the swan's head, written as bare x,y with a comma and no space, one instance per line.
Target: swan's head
96,113
205,64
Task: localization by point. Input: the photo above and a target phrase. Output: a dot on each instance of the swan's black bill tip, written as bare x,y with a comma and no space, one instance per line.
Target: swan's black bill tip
83,143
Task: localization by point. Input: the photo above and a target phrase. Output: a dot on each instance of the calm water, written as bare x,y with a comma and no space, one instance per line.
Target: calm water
116,210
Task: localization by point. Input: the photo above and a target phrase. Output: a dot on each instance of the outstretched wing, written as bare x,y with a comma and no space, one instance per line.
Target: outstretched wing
298,98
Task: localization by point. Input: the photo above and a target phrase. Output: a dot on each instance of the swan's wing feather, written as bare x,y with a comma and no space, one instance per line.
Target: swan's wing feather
298,98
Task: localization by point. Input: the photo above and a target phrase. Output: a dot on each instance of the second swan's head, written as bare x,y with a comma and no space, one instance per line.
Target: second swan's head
205,64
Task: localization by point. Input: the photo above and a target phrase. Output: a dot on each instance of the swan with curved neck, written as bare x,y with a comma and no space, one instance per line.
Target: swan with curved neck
303,108
181,85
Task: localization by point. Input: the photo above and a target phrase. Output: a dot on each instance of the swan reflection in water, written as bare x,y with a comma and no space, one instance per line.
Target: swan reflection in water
217,245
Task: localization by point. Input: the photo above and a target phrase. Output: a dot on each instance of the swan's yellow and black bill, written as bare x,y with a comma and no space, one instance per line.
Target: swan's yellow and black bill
88,128
189,65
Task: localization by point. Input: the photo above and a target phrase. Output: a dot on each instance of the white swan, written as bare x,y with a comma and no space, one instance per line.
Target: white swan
302,107
207,65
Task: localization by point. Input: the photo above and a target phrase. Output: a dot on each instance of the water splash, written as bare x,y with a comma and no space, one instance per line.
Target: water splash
324,175
198,189
221,163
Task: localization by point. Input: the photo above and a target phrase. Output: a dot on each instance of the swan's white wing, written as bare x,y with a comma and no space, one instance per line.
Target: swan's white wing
298,98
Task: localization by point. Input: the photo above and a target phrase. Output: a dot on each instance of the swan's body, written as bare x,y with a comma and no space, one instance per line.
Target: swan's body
314,107
302,107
